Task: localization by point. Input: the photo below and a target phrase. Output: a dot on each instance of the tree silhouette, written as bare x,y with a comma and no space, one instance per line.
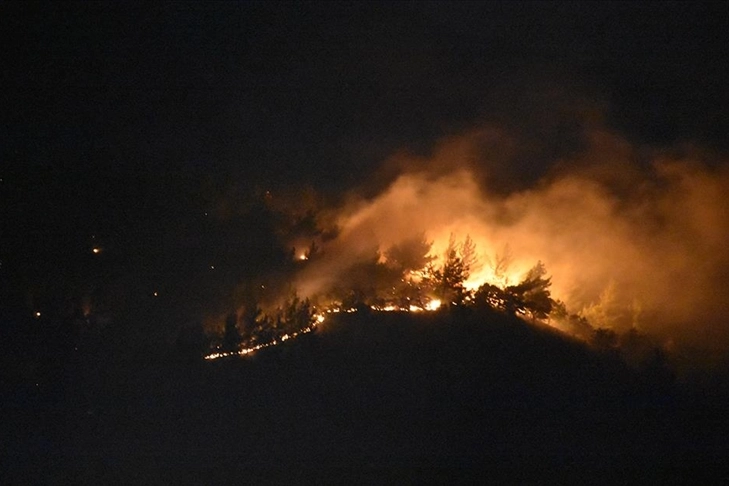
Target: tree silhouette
605,340
410,254
297,315
571,323
403,269
530,297
364,283
312,251
448,280
606,311
491,296
469,257
532,294
231,337
250,317
500,264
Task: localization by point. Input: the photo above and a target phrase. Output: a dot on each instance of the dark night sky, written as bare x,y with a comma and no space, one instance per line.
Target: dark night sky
115,116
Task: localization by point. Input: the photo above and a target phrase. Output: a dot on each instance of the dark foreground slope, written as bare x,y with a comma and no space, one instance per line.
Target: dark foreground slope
375,398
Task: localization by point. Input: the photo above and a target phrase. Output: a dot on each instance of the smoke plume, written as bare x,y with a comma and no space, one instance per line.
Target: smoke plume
632,236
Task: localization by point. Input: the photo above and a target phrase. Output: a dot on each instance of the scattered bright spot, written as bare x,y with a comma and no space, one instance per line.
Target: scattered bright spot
96,250
432,305
246,351
387,308
303,257
37,314
155,294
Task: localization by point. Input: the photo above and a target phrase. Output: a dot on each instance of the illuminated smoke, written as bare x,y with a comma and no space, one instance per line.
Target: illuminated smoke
631,236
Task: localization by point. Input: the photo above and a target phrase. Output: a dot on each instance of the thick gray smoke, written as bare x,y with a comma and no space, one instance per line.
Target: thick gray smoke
631,236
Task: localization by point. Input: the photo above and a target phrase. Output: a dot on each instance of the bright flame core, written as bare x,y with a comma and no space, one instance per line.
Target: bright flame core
432,305
656,232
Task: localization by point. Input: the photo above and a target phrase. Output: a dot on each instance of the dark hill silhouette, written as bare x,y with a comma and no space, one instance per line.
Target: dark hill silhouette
382,398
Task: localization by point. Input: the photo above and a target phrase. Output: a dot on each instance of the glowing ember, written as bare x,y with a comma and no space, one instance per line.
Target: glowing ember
96,250
247,351
303,257
433,305
387,308
318,319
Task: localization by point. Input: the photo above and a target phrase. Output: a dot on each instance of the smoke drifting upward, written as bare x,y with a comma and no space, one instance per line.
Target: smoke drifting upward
631,236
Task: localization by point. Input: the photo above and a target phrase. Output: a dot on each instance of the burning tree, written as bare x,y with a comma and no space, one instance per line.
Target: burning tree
367,282
448,280
533,294
296,315
406,262
410,254
291,317
571,323
530,297
491,296
499,265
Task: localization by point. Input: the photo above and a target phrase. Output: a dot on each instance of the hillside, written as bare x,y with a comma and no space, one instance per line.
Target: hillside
377,397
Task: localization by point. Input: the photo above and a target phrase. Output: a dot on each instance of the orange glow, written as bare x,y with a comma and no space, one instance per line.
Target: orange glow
96,250
433,305
247,351
654,232
318,319
387,308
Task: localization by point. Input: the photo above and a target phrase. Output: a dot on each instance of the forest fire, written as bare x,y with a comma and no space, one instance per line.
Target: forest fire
581,249
318,319
315,320
408,279
647,238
